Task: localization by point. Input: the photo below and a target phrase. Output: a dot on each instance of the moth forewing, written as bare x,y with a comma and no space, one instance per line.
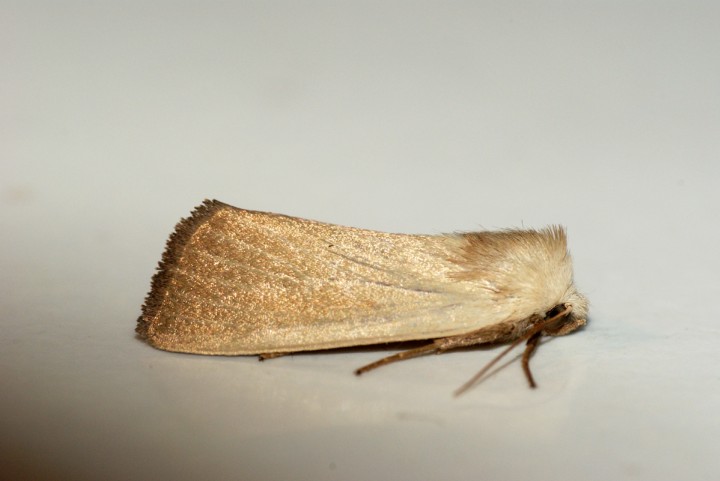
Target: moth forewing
235,282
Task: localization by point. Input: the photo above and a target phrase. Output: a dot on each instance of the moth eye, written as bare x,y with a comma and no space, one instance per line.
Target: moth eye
555,311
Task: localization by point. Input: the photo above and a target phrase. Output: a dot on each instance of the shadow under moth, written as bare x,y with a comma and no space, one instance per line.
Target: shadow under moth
240,282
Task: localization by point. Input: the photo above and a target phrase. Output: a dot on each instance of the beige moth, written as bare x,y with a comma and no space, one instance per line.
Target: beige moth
241,282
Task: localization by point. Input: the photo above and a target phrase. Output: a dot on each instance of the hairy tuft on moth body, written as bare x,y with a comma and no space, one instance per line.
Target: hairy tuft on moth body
239,282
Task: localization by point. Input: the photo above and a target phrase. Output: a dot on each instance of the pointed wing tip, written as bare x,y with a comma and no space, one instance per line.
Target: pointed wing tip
174,248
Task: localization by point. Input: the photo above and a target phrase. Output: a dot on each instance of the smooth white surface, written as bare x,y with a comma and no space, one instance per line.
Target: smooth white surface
117,118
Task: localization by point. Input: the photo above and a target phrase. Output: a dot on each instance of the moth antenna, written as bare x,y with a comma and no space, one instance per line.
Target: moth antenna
532,344
410,353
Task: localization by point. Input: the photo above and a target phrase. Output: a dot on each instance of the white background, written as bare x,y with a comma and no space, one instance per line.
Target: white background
117,118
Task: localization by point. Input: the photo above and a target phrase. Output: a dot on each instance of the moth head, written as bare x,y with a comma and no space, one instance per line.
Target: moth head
577,302
576,306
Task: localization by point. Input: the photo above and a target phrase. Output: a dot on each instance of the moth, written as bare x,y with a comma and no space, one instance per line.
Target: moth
241,282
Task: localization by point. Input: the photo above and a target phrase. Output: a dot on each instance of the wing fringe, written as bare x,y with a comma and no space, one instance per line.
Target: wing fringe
174,249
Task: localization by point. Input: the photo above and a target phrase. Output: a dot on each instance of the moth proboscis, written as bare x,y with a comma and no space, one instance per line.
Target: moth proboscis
241,282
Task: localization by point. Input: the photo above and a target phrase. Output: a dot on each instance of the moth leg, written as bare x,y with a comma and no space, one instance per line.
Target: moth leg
271,355
529,349
400,356
481,336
